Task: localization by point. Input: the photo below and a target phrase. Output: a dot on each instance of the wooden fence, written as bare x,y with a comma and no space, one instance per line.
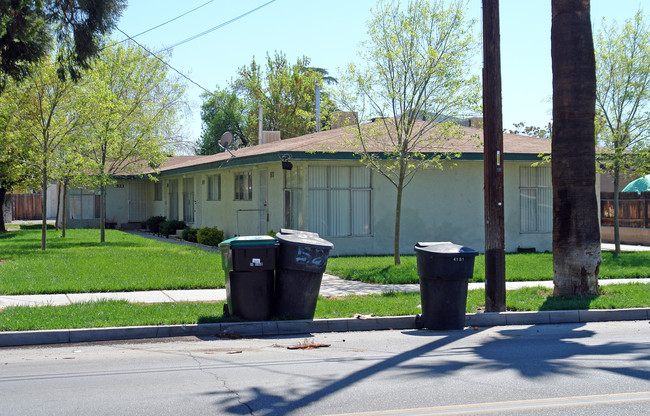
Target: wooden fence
27,207
634,209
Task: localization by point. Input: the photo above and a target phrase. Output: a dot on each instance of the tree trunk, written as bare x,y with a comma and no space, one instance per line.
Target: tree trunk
64,217
617,213
576,230
44,210
102,214
58,205
3,194
398,216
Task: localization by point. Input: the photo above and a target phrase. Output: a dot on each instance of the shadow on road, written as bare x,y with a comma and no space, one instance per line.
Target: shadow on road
535,352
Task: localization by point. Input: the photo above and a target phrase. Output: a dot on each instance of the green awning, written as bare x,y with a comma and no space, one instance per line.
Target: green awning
639,185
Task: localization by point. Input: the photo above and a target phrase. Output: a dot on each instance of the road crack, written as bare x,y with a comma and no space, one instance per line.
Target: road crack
223,382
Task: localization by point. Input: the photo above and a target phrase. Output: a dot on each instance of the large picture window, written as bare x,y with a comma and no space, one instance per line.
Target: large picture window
243,186
214,187
535,200
339,200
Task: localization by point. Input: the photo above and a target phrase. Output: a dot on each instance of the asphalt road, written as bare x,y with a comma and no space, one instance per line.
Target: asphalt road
590,369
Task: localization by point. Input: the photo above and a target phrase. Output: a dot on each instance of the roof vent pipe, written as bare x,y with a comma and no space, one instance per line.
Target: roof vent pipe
260,133
317,108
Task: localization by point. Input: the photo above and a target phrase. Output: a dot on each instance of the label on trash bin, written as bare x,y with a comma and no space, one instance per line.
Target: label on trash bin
256,262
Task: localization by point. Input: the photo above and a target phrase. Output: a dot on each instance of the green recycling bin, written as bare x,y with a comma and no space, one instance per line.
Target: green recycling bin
249,264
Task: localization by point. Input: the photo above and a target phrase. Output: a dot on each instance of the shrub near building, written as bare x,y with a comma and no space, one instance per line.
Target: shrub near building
209,236
190,234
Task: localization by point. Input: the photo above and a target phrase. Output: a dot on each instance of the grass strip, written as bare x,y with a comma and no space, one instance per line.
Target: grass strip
79,263
519,267
120,313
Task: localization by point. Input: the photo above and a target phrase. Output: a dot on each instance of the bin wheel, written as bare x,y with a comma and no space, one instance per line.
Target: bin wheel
226,311
418,321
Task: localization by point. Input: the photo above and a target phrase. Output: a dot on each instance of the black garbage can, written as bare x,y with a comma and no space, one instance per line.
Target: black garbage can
444,269
249,264
302,258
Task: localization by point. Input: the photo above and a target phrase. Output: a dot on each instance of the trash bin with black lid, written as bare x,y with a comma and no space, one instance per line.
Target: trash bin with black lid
302,258
444,269
249,265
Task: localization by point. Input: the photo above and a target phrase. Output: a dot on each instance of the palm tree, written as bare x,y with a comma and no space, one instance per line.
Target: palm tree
576,229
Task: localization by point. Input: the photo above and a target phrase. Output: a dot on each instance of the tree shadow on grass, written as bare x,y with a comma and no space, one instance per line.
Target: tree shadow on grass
559,303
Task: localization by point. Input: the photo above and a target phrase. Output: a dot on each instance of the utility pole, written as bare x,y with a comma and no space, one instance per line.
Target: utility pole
495,253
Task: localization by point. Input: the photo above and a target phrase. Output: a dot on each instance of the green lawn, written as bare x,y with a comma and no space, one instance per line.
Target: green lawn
519,267
121,313
79,263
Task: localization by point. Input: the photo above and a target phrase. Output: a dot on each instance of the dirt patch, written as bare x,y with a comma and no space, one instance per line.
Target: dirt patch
2,261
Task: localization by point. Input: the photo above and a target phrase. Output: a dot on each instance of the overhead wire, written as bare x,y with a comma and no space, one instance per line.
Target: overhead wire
171,20
163,61
155,54
219,26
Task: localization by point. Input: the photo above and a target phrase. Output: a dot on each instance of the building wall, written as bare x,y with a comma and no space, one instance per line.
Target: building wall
439,205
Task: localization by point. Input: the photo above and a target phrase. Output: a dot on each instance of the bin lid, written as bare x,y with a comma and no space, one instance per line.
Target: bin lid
290,231
303,239
249,240
444,248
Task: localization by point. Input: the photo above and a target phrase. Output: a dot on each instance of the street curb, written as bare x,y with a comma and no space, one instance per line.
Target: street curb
279,328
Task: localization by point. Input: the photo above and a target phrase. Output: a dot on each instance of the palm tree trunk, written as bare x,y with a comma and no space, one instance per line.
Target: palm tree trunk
576,230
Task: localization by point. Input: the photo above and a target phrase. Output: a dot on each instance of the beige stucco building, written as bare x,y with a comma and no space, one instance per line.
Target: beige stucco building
329,191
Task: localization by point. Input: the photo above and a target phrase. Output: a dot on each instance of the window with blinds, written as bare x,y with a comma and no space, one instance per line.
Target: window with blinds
293,212
243,186
214,187
535,200
340,200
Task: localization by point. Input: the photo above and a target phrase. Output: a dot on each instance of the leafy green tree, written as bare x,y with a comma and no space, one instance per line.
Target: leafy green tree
221,111
29,29
532,131
46,120
14,172
576,226
287,93
417,75
131,108
623,101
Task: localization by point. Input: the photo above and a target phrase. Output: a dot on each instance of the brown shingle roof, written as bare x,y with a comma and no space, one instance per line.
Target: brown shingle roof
339,141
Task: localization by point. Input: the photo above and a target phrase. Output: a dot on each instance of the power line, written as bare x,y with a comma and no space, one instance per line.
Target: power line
171,20
155,55
215,27
163,61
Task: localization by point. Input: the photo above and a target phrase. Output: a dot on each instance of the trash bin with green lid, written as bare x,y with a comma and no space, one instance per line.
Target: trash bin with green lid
249,264
444,269
302,259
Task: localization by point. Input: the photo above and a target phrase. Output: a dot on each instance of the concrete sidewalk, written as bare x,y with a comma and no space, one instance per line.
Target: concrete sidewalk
330,286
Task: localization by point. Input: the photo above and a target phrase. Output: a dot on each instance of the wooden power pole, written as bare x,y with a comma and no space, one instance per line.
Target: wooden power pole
495,253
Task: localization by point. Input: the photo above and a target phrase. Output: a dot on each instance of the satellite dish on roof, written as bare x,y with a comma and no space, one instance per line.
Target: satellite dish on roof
226,140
